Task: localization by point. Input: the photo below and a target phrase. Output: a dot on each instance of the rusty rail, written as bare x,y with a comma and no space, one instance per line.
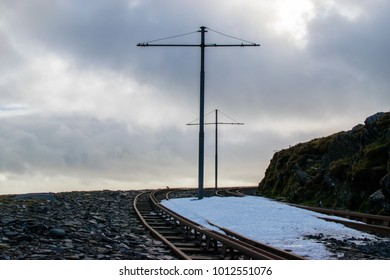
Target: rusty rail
261,246
366,222
154,232
196,241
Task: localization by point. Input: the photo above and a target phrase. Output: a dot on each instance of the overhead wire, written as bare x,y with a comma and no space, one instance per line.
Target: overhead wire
227,116
189,33
229,36
198,118
219,111
170,37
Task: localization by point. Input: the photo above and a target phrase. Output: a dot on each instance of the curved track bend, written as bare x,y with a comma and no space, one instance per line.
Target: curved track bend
189,240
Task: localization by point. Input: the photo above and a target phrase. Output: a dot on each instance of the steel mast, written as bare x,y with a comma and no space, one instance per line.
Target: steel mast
202,46
216,123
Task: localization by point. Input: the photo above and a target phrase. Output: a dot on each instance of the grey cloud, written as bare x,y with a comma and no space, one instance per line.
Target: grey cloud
361,45
105,34
82,145
343,63
8,55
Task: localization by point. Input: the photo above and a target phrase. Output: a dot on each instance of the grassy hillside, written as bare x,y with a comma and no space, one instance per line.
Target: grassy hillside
348,170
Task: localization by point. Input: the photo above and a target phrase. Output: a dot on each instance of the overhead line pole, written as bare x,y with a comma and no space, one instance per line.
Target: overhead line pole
216,152
201,115
202,46
216,123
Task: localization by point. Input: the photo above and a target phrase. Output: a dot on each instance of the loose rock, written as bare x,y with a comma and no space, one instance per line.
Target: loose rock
57,233
75,226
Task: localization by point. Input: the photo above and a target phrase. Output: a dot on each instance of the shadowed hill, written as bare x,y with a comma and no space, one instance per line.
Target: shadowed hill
348,170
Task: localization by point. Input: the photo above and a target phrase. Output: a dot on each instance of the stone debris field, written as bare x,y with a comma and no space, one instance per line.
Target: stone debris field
75,226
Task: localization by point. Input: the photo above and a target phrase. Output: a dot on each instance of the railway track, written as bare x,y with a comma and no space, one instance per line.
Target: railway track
377,224
191,241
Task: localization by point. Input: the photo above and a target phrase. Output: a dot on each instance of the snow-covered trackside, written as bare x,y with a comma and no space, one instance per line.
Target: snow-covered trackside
267,221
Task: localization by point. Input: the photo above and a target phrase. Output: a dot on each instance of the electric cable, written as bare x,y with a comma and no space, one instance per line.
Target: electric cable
190,123
228,116
229,36
170,37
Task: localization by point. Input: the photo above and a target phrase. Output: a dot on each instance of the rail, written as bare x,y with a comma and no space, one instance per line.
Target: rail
189,240
365,222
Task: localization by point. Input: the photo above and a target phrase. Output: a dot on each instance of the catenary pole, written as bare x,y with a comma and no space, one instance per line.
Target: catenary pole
216,123
216,152
201,116
202,46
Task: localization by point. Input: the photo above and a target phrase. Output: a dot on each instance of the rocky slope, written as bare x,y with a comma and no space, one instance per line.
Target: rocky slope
75,226
348,170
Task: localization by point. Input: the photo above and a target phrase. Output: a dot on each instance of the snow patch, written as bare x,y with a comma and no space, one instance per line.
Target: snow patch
267,221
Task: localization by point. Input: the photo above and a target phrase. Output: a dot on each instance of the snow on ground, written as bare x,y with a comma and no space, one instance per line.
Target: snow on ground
267,221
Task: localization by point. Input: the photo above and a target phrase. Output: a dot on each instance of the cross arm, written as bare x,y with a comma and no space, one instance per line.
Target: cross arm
216,123
195,45
232,45
166,45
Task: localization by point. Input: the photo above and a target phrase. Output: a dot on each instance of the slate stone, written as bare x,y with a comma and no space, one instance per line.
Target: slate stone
75,225
23,237
57,233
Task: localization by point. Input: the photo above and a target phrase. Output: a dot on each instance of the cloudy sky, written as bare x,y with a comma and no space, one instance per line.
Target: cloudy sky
82,107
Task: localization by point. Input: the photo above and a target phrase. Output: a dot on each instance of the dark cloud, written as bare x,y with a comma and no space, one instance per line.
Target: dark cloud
84,147
96,106
8,55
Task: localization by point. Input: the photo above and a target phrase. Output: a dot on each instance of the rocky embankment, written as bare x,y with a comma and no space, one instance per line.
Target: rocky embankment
75,226
102,225
348,170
